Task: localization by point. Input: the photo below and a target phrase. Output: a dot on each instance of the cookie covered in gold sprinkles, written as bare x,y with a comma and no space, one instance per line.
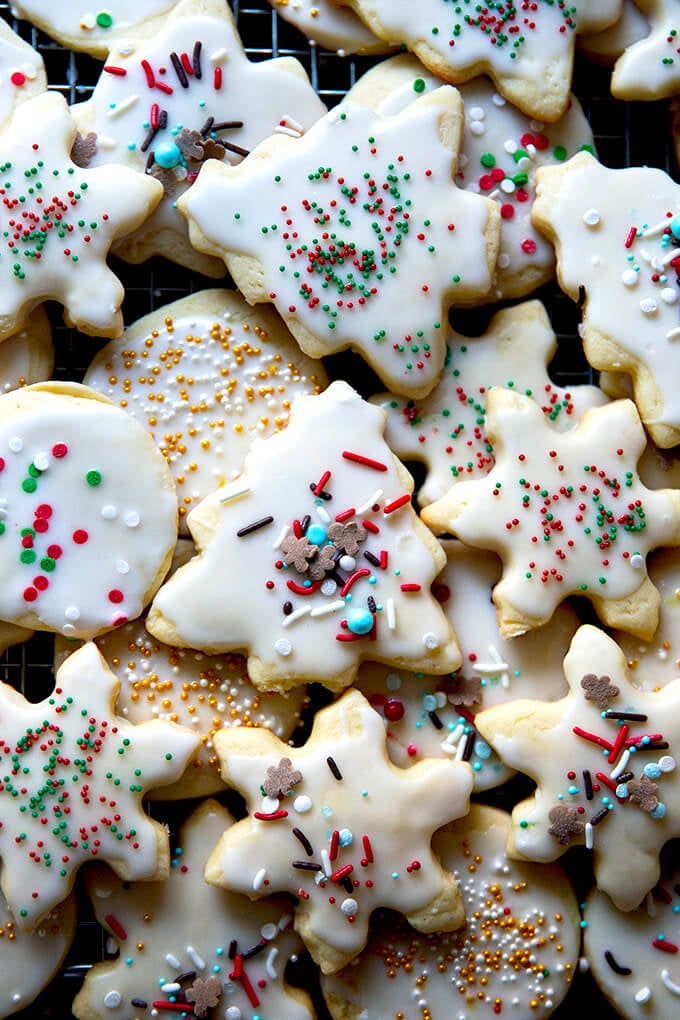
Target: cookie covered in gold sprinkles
516,955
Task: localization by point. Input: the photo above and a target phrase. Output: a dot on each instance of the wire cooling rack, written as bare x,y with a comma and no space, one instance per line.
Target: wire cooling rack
626,134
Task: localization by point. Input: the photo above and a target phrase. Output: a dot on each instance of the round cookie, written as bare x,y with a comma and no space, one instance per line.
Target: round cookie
649,68
185,943
84,539
633,955
28,356
434,718
501,151
335,28
185,686
29,960
516,956
206,375
22,71
166,104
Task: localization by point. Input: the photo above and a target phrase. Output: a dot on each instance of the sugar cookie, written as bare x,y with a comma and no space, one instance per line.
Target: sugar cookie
165,104
28,356
649,68
22,71
202,692
313,560
632,956
358,829
85,540
435,718
446,430
606,47
356,233
184,942
29,960
615,237
336,28
206,375
603,760
517,952
501,151
567,514
99,766
64,259
527,48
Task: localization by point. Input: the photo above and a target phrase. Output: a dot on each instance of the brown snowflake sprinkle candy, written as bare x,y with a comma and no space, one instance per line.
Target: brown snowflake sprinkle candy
642,793
599,689
281,778
84,148
347,537
204,994
565,824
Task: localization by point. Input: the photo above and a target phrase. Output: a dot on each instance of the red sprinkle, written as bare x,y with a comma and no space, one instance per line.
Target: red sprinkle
80,537
409,587
17,78
389,508
359,458
217,79
319,487
59,450
335,843
665,946
272,816
111,69
116,927
362,572
148,71
338,875
630,237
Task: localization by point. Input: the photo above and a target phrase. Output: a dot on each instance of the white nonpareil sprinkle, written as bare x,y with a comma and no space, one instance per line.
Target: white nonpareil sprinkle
591,217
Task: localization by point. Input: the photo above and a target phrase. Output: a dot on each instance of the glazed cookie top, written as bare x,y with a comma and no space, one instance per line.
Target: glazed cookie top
567,514
84,541
336,28
165,104
517,952
28,356
632,956
205,375
28,960
446,430
604,762
435,717
526,47
356,233
649,68
185,943
22,71
56,247
501,151
617,233
340,827
74,774
313,560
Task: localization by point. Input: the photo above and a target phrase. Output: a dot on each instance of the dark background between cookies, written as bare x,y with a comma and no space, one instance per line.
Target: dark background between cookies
626,134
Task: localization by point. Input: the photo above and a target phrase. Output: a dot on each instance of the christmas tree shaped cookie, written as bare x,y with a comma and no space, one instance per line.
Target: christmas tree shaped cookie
567,514
341,828
73,777
357,233
604,762
314,558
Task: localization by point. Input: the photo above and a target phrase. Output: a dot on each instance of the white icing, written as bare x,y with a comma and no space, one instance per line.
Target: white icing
28,960
22,71
336,28
76,22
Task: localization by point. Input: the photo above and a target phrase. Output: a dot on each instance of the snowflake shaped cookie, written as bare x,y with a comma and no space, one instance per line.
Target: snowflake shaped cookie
604,762
527,46
351,835
356,233
434,717
165,104
226,958
446,430
567,514
58,222
617,237
73,777
314,558
649,68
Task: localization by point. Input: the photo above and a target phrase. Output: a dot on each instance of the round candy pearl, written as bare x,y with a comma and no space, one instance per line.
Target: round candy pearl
167,155
316,533
394,709
675,226
359,621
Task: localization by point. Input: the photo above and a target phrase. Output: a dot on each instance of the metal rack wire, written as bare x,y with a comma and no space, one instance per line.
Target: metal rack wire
625,134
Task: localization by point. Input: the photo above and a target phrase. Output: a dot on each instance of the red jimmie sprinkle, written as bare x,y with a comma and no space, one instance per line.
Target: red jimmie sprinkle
630,237
111,69
359,458
271,816
116,927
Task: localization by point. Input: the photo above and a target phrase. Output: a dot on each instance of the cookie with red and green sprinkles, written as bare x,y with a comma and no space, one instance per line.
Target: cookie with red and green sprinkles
447,431
566,512
22,71
58,221
88,512
73,777
500,154
357,233
526,46
649,68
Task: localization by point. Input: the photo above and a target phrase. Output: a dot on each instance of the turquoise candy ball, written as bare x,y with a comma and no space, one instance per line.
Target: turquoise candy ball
167,155
675,226
359,621
316,533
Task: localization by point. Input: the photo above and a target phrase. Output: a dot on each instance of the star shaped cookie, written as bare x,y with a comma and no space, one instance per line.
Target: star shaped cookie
165,104
526,47
604,762
325,24
73,777
446,430
226,958
314,558
22,71
352,834
567,514
649,68
58,221
356,233
617,238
